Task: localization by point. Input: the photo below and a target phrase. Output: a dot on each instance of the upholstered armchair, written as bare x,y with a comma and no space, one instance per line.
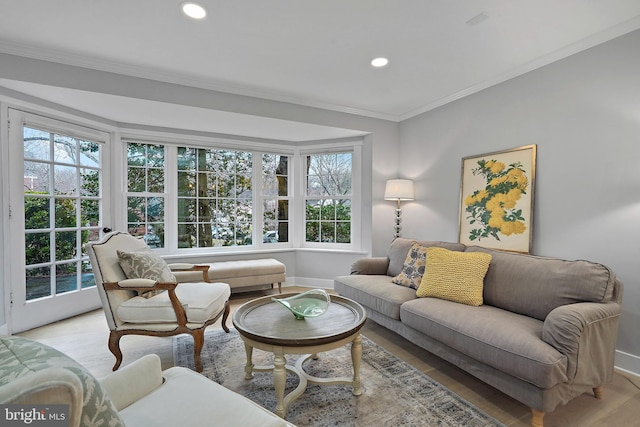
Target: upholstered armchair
138,395
140,294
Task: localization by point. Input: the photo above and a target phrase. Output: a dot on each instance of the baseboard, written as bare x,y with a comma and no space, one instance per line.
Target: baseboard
309,282
627,363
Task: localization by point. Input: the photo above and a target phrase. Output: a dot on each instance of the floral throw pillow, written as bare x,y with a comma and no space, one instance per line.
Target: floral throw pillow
145,265
22,357
413,269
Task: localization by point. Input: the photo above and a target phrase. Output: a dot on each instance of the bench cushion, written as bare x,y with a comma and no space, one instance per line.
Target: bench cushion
239,273
243,268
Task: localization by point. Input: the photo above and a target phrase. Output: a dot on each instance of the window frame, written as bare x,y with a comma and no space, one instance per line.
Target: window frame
296,186
354,146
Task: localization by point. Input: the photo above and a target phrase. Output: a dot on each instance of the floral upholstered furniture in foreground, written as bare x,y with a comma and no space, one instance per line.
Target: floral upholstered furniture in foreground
138,395
140,295
541,330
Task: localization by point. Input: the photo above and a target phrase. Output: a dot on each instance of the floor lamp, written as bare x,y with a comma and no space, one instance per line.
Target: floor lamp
400,190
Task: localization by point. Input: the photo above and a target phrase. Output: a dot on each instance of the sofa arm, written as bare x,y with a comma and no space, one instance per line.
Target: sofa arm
586,334
370,266
134,381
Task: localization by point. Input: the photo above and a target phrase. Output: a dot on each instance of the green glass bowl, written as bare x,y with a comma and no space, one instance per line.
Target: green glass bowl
312,303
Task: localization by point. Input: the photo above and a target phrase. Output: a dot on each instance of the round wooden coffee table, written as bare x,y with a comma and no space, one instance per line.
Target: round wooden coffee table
267,325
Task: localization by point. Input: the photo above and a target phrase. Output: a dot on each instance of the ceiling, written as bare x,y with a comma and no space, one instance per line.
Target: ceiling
314,53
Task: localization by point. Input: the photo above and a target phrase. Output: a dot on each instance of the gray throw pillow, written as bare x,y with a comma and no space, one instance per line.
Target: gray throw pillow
145,265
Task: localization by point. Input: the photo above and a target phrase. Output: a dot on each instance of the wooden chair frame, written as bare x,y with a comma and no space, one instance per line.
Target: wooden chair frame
181,316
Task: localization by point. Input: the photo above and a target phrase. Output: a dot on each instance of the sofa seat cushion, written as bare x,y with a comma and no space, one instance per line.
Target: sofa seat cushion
509,342
375,292
515,280
200,300
223,407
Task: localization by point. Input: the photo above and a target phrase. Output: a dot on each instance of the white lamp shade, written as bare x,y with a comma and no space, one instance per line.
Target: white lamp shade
399,189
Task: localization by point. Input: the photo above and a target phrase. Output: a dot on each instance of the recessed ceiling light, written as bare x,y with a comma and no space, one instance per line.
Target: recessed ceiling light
379,62
193,10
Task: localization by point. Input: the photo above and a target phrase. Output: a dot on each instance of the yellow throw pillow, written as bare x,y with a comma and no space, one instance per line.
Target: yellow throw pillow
454,276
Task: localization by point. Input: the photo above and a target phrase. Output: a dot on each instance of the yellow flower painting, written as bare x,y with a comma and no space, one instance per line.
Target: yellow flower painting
496,199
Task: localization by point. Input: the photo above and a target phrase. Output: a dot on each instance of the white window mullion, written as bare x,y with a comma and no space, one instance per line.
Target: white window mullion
258,200
299,184
171,202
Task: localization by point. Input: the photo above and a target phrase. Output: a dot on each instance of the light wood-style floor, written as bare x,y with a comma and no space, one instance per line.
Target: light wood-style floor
84,338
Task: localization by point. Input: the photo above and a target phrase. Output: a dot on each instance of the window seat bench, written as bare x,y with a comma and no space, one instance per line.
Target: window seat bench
238,273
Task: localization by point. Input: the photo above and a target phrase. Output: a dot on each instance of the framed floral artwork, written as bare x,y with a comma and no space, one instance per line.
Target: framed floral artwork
496,199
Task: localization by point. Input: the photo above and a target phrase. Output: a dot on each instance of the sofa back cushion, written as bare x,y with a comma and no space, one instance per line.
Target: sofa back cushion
400,247
533,285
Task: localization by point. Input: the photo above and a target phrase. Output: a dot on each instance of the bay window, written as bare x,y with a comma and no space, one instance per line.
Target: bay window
235,198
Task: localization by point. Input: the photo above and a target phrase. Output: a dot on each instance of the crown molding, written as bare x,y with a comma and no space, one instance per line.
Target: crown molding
584,44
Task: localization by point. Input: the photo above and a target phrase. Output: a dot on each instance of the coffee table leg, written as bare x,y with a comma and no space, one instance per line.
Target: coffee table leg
279,380
248,368
356,357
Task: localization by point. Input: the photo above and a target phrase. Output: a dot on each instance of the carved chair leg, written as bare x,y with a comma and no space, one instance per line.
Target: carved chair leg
225,316
198,342
536,418
598,392
114,346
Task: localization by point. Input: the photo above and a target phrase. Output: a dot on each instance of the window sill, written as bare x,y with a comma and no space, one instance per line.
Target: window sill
257,251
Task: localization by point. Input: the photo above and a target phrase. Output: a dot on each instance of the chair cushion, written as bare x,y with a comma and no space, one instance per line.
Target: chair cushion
201,302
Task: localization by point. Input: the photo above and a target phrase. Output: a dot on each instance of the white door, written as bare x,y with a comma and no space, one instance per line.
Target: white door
56,205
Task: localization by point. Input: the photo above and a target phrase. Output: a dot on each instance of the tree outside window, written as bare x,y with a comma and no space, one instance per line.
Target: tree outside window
275,198
145,192
215,198
328,198
61,210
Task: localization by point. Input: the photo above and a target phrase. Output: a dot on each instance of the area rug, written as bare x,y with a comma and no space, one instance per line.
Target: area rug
395,393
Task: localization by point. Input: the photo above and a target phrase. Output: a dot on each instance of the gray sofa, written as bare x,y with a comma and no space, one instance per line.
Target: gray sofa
545,333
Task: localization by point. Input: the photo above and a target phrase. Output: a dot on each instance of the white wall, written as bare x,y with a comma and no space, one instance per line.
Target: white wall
584,115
